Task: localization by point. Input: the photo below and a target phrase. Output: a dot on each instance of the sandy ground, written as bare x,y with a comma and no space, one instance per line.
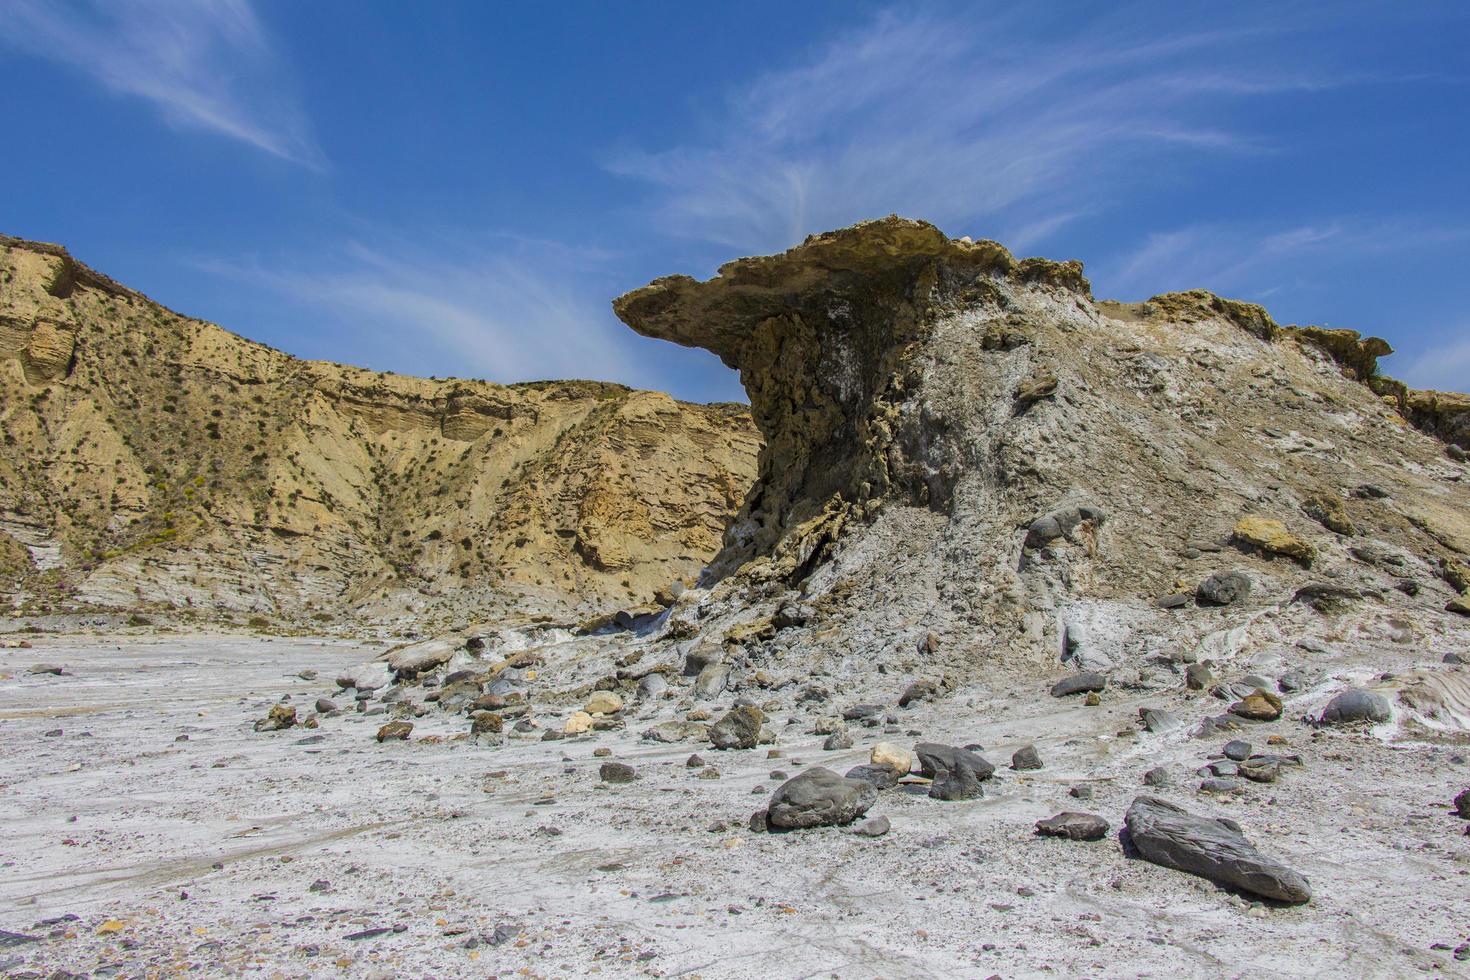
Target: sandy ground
129,851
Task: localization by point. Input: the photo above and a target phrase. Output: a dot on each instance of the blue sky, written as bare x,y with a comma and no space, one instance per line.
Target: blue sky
460,188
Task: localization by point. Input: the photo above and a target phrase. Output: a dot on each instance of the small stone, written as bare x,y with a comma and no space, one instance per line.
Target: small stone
325,706
278,718
1177,600
578,723
1198,677
54,669
486,723
739,729
871,827
1092,700
694,762
1220,785
603,703
398,730
1462,804
920,690
1073,826
860,711
1080,792
895,757
1270,536
601,753
1260,769
1080,683
1157,720
1237,750
1025,759
617,772
837,741
1259,706
881,777
1223,589
1158,777
708,772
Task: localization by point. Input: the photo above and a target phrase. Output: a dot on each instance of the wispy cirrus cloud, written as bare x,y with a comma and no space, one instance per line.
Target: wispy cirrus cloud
980,116
501,307
203,64
1442,367
1254,260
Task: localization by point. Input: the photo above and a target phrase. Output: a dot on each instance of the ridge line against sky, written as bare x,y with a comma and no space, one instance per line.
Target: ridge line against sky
459,190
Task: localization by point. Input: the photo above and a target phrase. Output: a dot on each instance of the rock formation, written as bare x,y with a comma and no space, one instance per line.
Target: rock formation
964,443
153,459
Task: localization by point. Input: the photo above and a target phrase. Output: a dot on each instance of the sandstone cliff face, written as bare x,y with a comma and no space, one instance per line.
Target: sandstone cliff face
962,442
150,458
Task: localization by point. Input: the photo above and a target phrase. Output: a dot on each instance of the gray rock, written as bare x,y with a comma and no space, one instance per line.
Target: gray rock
1176,601
1220,785
1073,826
1223,589
617,772
920,690
1454,658
872,827
325,706
652,685
694,762
1198,677
1080,792
956,773
1356,705
820,798
739,729
711,681
1158,777
1217,850
1292,681
860,711
1079,683
1237,750
880,777
1062,523
1158,720
1026,758
837,741
1262,769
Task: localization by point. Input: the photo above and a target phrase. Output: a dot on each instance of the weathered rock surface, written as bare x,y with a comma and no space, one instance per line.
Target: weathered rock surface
819,798
740,728
1216,849
1354,706
1073,826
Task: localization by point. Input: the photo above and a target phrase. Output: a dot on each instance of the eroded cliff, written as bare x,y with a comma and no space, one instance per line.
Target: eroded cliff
155,459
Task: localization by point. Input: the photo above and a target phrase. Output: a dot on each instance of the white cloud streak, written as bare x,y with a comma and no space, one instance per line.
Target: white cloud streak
1442,367
203,64
958,120
509,311
1254,261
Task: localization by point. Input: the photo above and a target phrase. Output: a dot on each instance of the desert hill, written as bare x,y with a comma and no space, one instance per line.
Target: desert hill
155,460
